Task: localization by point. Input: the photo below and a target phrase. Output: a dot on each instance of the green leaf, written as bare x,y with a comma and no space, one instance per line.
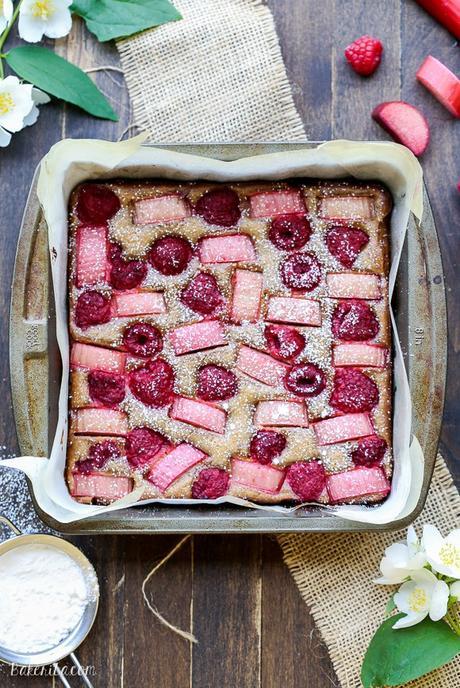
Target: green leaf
391,606
109,19
59,78
396,657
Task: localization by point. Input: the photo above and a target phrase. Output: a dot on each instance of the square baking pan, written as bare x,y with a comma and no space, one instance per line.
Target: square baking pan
420,311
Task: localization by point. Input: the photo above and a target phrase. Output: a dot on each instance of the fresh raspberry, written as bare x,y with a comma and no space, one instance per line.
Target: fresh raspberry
266,445
354,391
96,203
301,271
284,342
92,308
153,383
364,55
107,388
99,454
211,483
307,479
289,232
346,243
369,451
125,274
142,445
202,294
142,339
305,380
354,321
170,255
219,207
216,383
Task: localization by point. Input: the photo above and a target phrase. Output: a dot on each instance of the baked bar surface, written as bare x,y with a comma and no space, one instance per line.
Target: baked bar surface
230,340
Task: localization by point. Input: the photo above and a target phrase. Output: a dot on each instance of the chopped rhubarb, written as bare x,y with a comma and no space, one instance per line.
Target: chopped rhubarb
279,413
150,211
261,367
274,203
199,413
246,297
404,123
92,263
441,82
358,483
230,248
293,310
343,428
138,303
91,357
100,421
340,207
101,486
257,476
353,285
171,466
364,355
447,12
198,336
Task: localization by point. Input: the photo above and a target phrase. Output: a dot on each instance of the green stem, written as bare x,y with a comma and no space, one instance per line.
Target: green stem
5,35
453,618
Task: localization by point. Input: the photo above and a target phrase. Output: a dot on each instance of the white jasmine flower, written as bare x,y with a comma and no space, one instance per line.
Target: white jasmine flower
401,560
443,554
18,107
455,589
422,596
6,12
38,18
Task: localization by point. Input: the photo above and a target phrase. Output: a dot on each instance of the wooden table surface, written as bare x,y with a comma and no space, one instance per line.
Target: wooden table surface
234,591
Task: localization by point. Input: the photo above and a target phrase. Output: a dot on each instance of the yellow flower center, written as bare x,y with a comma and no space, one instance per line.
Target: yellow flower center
418,600
449,555
1,6
6,103
43,9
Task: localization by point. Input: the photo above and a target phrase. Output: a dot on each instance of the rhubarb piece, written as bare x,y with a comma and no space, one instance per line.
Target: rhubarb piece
143,445
342,428
246,296
347,207
294,310
199,413
97,421
353,391
211,483
91,357
230,248
275,203
361,355
405,123
257,476
267,445
216,383
92,308
353,285
358,483
96,203
260,366
305,380
153,383
447,12
91,255
307,479
101,486
278,413
202,335
441,82
284,342
219,206
289,232
202,294
152,211
364,55
138,303
99,454
106,388
354,321
346,243
301,271
170,255
171,466
142,339
125,274
370,451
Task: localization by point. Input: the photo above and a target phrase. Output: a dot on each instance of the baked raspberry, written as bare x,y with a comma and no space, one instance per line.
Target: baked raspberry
266,445
284,342
219,207
211,483
216,383
153,383
289,232
125,274
307,479
92,308
364,55
142,339
346,243
170,255
305,380
99,454
96,203
301,271
369,451
354,321
202,294
107,388
142,445
354,391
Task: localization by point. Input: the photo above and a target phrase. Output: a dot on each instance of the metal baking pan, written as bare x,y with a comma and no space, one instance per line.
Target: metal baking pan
420,310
